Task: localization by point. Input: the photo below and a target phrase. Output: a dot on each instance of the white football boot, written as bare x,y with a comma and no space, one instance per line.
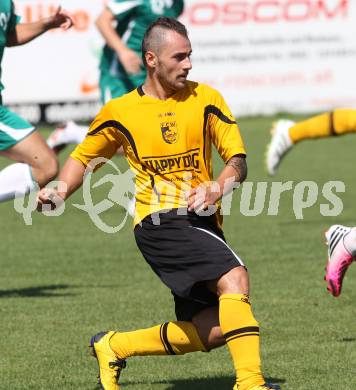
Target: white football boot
279,145
69,133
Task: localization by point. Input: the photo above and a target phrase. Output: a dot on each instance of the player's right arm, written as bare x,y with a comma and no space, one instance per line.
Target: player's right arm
128,58
26,32
70,179
100,145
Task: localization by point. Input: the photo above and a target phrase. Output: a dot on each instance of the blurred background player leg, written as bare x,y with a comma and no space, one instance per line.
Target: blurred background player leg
341,242
36,162
69,133
286,133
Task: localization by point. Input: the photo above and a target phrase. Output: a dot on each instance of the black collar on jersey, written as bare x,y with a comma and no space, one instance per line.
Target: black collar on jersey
140,91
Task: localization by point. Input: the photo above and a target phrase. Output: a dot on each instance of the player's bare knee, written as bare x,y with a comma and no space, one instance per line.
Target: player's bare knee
235,281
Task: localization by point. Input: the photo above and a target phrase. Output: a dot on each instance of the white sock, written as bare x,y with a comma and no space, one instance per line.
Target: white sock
350,241
73,133
15,180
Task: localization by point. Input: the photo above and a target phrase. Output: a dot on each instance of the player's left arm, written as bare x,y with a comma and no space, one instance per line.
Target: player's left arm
234,172
26,32
226,137
232,175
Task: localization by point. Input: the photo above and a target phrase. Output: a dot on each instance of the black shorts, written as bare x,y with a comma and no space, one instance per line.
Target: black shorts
185,251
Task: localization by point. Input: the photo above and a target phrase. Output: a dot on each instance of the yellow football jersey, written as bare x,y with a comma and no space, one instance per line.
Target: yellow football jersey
167,143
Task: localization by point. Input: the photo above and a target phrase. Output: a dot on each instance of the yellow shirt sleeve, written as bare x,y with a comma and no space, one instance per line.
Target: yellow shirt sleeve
102,139
224,132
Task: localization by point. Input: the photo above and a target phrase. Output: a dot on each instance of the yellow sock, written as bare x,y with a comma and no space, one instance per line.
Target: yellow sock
337,122
170,338
241,332
344,121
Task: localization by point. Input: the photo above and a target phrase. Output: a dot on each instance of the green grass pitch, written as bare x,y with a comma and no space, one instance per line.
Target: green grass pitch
62,280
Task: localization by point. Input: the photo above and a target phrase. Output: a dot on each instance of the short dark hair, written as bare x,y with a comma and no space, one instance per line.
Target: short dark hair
162,23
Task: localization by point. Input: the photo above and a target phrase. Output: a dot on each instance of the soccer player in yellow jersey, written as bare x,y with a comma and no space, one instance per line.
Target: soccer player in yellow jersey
167,128
286,133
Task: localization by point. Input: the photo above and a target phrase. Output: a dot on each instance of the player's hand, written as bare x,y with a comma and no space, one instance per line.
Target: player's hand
61,18
203,196
131,62
48,199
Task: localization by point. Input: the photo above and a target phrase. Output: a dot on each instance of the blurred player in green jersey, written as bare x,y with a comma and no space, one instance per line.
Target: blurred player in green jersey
19,141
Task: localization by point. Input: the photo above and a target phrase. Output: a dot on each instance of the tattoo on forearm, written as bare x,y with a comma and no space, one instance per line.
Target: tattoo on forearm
240,166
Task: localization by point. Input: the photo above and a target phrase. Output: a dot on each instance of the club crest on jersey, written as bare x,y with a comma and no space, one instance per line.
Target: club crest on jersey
169,132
